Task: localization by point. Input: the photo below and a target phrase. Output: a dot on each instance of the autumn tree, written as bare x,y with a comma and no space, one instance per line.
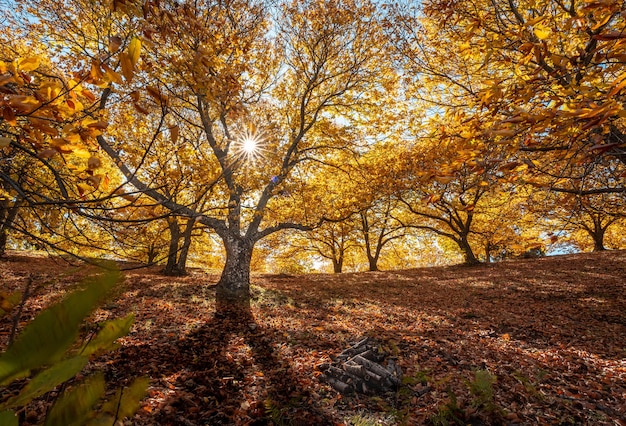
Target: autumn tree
507,225
588,217
377,203
220,81
550,73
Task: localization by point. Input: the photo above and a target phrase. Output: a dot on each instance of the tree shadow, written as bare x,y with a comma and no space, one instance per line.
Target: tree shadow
228,371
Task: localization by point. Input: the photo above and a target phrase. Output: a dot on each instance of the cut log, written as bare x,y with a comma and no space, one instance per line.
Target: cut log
377,369
358,348
339,386
373,377
358,369
354,368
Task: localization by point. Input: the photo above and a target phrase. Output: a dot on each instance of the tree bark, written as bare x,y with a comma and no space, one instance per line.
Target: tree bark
468,253
184,250
152,252
7,216
233,288
373,263
598,239
171,268
338,265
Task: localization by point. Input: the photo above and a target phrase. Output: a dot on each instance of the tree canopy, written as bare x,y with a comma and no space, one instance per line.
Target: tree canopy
484,129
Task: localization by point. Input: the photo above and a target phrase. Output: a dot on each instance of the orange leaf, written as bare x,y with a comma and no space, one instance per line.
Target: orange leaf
114,44
93,162
47,153
100,125
127,67
9,116
174,131
155,94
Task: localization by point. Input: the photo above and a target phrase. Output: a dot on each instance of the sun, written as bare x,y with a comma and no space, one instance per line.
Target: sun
248,147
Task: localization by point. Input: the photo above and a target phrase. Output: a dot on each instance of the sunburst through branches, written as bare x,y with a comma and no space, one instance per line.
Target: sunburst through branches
249,146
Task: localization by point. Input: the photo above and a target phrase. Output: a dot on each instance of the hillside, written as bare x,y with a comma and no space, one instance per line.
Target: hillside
551,333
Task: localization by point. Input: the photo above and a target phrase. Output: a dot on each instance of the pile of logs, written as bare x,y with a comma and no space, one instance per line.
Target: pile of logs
359,369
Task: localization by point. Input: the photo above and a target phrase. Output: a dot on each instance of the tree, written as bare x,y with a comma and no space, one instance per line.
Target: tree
550,73
508,226
377,202
328,63
594,215
216,77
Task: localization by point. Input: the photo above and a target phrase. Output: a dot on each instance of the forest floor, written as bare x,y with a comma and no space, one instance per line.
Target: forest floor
550,332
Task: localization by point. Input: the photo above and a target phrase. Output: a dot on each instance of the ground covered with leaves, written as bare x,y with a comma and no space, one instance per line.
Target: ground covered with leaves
536,341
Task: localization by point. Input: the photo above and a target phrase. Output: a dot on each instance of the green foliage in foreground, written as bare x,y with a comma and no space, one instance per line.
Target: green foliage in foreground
49,352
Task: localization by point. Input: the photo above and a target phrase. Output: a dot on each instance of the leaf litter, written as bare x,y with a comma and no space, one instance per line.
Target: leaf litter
539,341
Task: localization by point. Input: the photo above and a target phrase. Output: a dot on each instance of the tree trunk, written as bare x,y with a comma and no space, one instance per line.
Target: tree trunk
233,288
171,268
598,240
597,233
373,263
468,254
488,252
3,242
7,216
152,252
338,265
184,250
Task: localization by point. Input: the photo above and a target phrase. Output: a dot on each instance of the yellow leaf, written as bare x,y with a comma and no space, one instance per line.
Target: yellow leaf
29,64
82,153
111,75
536,20
4,142
95,72
127,67
83,187
542,32
134,51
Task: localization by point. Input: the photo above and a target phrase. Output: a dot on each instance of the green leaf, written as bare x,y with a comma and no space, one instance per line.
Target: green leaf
47,380
111,330
8,418
47,337
126,401
76,406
